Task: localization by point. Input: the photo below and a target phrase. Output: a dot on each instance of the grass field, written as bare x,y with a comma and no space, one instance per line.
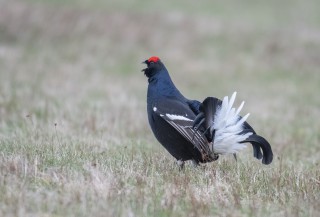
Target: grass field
74,137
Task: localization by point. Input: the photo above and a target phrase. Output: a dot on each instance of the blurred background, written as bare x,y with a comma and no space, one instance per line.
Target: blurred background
72,94
75,64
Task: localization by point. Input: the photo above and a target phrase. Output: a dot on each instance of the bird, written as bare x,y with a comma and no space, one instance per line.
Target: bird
196,131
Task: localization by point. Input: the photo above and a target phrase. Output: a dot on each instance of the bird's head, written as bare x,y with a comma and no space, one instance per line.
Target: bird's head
154,65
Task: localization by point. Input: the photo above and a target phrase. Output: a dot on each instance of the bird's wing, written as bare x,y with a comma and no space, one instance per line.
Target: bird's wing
181,117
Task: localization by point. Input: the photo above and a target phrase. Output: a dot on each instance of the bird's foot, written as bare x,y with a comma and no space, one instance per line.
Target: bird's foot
235,157
180,164
195,163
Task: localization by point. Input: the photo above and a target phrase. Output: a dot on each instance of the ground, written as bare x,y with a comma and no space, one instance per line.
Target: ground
74,136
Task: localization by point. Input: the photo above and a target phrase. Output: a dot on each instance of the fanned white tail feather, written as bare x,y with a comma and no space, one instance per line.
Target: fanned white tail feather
228,126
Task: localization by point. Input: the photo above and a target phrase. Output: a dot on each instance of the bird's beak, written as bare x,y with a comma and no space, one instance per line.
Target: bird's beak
144,62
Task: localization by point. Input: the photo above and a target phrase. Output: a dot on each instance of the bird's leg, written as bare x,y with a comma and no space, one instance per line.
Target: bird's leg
235,157
180,164
195,163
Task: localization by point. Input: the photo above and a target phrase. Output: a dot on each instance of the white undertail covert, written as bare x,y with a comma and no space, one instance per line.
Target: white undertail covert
229,125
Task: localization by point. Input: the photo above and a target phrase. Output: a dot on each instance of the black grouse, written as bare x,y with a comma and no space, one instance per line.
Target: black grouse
191,130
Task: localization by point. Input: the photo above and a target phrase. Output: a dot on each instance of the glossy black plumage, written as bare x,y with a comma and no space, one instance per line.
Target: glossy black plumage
182,125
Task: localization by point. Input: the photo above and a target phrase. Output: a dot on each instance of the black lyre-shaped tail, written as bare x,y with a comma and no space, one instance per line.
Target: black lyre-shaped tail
259,143
204,122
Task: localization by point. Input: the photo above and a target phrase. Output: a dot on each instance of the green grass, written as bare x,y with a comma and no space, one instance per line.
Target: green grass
71,92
